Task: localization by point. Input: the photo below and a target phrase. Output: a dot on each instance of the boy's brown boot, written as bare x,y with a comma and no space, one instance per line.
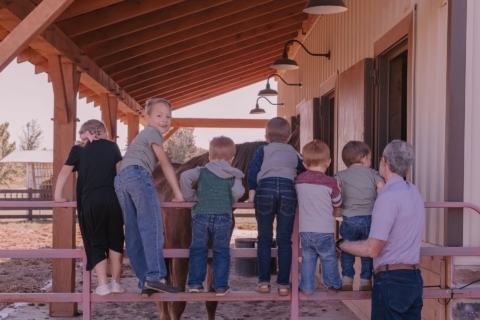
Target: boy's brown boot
365,285
347,284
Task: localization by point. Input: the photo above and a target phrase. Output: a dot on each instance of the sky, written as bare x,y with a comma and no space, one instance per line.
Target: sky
25,96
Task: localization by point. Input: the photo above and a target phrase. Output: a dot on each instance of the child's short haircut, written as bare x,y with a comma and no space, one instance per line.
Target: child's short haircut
151,102
93,126
277,130
222,148
315,153
354,151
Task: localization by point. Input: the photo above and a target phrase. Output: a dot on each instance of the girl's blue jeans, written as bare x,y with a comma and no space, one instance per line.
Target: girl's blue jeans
356,229
142,217
205,227
275,197
318,245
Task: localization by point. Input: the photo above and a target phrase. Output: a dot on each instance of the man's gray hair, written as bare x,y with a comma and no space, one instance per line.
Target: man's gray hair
399,156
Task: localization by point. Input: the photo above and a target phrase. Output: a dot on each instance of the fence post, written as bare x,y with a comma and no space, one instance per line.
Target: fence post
87,284
295,249
29,192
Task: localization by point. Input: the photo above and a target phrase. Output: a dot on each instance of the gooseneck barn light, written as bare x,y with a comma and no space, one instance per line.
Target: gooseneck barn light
288,64
325,6
258,110
270,92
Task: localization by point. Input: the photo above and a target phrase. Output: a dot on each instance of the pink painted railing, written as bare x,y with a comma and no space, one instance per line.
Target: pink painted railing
87,298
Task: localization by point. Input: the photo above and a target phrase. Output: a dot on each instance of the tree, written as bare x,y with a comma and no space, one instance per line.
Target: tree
32,136
181,146
8,171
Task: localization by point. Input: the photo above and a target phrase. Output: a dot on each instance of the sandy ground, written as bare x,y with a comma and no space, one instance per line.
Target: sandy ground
33,275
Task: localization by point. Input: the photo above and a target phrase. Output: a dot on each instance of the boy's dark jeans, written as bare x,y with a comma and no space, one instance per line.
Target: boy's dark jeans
356,229
275,197
204,227
397,294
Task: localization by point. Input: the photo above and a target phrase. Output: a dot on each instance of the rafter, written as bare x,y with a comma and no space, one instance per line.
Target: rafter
150,39
30,55
207,60
155,18
218,123
31,26
228,36
187,81
110,15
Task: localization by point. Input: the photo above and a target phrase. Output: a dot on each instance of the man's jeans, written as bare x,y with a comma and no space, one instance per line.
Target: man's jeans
356,229
142,216
397,294
318,245
275,197
204,227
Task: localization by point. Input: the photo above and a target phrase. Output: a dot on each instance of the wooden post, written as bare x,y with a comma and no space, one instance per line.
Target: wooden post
65,79
109,106
133,122
170,133
34,24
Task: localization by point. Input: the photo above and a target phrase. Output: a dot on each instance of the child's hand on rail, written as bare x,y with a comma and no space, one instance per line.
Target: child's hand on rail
57,200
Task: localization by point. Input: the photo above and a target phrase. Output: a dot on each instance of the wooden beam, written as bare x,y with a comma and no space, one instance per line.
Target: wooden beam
30,55
170,134
218,81
3,34
133,127
41,67
139,44
54,41
108,107
86,93
249,47
218,123
80,7
189,80
156,18
276,24
110,15
303,34
33,24
95,98
207,94
65,85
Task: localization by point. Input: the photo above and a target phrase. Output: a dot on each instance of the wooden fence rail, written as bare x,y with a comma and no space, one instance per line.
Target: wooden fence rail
87,298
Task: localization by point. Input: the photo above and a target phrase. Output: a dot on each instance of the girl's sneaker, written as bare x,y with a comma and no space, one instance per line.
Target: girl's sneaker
103,290
116,287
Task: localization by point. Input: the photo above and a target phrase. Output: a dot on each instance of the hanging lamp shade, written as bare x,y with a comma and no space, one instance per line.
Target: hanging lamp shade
325,6
284,64
257,110
267,92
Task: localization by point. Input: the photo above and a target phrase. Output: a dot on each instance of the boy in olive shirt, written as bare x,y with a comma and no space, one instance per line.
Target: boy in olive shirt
219,187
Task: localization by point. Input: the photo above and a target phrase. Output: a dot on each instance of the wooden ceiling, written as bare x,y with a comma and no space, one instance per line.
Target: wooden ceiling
184,51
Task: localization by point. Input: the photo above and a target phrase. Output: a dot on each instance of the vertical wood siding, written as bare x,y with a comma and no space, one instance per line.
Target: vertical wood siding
350,36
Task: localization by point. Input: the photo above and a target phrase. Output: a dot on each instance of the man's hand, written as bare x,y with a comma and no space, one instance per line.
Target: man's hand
367,248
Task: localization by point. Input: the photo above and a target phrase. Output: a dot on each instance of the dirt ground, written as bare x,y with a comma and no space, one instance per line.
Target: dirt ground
33,275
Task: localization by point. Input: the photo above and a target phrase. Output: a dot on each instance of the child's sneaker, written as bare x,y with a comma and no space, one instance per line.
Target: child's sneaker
148,292
365,285
264,287
116,287
222,292
283,290
332,289
347,284
196,289
103,290
161,286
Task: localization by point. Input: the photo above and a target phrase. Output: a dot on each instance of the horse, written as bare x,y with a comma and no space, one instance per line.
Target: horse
177,226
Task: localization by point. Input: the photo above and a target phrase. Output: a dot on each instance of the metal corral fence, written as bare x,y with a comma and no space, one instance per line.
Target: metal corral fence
25,195
87,298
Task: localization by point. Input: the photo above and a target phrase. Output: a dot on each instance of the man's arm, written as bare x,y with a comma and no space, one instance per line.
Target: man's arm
367,248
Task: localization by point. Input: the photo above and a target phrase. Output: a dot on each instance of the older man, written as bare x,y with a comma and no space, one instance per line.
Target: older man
395,239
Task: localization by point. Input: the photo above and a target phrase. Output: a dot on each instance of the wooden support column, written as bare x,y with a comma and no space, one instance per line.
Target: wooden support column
65,80
109,106
133,122
34,24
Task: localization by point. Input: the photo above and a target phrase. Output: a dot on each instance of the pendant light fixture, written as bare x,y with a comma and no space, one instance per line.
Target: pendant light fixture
270,92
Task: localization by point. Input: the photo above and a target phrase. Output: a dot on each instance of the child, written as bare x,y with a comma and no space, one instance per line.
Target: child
360,185
139,200
318,195
270,183
219,187
100,217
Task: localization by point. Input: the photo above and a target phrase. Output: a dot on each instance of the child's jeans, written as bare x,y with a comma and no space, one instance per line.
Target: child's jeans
142,217
318,245
275,197
204,227
356,229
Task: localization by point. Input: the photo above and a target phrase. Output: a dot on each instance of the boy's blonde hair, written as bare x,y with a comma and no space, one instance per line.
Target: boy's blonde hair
354,151
277,130
222,148
94,126
315,153
151,102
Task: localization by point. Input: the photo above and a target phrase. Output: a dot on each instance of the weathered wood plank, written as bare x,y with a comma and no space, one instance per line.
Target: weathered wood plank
31,26
84,6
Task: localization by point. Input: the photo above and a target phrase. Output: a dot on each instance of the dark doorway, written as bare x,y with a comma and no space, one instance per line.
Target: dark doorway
326,126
